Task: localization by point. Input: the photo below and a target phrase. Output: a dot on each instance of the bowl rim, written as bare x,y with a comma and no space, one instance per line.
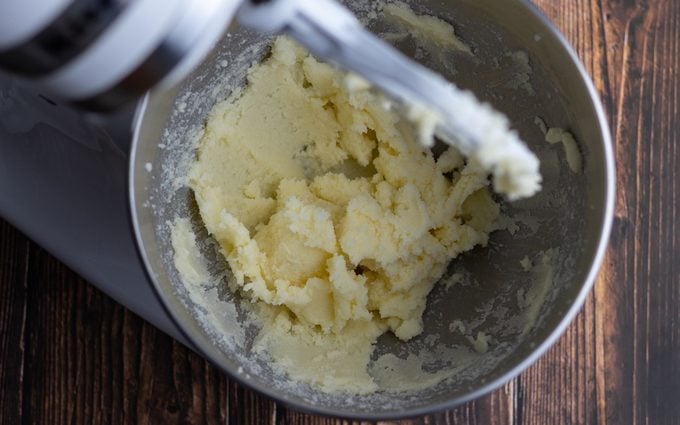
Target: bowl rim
537,351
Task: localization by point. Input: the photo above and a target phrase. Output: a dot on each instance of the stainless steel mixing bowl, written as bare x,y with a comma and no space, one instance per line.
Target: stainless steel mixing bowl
572,216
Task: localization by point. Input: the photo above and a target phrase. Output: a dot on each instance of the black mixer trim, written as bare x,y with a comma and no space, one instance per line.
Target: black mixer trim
78,27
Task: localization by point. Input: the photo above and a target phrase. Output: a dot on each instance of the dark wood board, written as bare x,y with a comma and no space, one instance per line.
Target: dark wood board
71,355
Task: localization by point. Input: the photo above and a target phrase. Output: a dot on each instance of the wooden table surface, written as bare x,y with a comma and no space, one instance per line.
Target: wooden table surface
70,355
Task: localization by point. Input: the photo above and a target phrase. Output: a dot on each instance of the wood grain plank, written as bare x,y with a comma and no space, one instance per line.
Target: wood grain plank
65,373
248,407
637,302
14,251
497,408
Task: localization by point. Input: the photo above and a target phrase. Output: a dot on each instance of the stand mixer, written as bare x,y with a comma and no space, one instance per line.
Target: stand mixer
92,58
104,55
64,171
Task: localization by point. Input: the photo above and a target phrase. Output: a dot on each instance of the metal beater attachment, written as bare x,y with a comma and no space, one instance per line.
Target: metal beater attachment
331,31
